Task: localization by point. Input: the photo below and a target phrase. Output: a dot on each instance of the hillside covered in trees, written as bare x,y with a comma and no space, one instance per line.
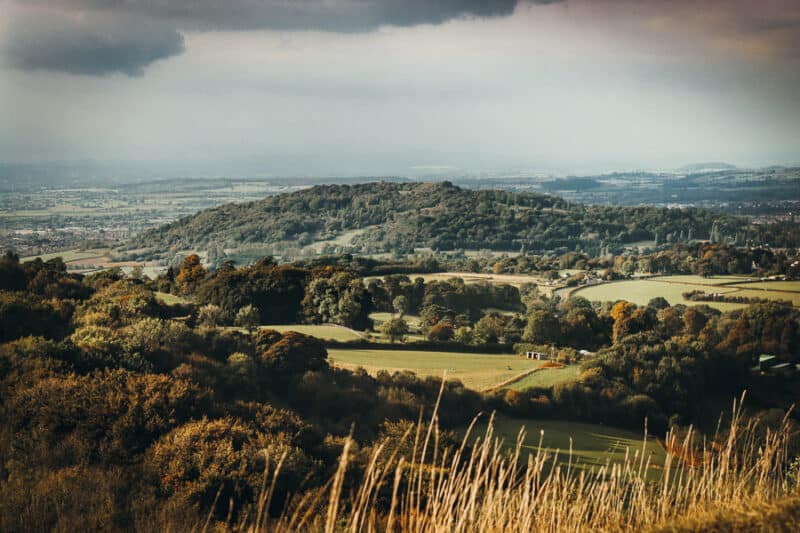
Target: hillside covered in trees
399,217
124,413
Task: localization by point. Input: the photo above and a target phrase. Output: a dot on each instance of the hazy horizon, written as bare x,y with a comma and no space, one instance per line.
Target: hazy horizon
351,87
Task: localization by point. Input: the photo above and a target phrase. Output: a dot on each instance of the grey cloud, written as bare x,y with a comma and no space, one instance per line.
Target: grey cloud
342,16
90,44
320,15
96,37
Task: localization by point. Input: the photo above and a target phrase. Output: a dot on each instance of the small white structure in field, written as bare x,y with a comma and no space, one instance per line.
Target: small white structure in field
536,355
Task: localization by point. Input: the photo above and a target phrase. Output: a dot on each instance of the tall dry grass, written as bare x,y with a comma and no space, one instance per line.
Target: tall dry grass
482,487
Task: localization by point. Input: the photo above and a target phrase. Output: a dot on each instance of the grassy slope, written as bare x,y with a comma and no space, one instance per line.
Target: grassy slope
70,255
547,377
793,286
592,445
477,371
641,291
335,333
793,297
672,288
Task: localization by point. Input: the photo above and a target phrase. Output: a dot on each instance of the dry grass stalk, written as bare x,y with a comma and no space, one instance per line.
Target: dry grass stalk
481,486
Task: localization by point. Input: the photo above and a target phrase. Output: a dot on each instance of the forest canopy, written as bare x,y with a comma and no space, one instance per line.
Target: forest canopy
402,217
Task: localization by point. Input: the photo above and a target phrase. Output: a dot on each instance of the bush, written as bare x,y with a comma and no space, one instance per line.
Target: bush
104,418
226,457
71,499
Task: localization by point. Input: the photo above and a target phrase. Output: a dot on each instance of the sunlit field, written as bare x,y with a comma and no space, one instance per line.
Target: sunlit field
476,371
547,377
585,445
641,291
324,332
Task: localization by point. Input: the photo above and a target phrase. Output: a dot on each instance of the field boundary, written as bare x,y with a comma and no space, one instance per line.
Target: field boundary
356,333
514,379
364,344
674,287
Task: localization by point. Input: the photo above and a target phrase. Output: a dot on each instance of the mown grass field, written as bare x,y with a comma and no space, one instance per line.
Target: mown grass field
641,291
547,377
592,445
70,255
691,279
471,277
324,332
793,297
791,286
413,321
476,371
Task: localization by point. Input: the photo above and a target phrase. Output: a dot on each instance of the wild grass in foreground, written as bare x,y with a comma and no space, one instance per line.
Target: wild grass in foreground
480,487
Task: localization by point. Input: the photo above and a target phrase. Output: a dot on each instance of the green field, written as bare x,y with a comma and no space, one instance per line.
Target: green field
692,279
170,299
325,332
69,255
592,445
547,377
792,286
472,277
476,371
641,291
793,297
413,321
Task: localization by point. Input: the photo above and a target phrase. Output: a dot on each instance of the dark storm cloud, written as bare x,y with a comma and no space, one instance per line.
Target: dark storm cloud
89,44
97,37
322,15
344,16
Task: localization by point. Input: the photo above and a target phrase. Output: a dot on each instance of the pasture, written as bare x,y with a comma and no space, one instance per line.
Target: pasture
379,318
70,255
547,377
691,279
476,371
641,291
793,297
592,445
472,277
788,286
323,332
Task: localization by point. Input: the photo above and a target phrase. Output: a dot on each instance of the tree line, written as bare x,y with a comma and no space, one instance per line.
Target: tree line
402,217
121,412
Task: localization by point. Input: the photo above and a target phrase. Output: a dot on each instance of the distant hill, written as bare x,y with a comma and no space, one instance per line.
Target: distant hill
571,183
705,167
402,217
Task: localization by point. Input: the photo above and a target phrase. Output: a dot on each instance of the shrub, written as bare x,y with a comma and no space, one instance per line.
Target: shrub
202,459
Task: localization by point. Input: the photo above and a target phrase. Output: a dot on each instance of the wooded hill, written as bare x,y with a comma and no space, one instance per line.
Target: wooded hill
399,217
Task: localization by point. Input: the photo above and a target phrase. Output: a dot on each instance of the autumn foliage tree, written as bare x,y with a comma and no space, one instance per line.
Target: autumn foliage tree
190,274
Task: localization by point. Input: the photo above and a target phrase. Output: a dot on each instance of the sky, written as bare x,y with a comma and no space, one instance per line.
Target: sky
400,87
